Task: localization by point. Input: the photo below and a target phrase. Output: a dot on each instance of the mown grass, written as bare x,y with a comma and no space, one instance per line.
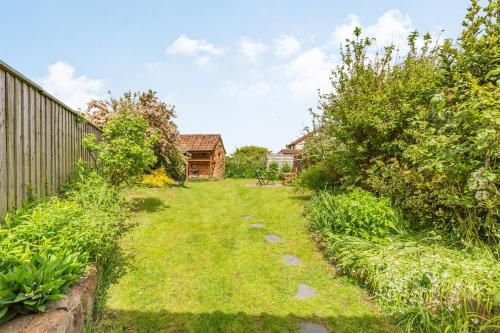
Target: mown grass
194,265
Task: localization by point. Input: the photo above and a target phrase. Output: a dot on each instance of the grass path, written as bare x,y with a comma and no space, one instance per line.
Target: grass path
194,265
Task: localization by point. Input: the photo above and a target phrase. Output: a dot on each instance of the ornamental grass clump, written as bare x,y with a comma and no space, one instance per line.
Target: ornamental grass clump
426,286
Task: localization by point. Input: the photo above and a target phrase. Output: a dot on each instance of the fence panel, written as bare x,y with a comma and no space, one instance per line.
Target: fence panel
40,140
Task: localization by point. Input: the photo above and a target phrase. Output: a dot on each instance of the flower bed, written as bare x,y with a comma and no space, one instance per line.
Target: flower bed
45,249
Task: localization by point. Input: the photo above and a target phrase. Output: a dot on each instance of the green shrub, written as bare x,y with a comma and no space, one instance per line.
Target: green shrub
422,130
285,168
273,170
245,161
318,177
160,120
45,248
357,213
426,286
125,151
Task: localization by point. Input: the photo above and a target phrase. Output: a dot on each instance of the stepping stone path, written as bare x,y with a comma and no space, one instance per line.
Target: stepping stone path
273,238
247,217
304,291
306,327
291,260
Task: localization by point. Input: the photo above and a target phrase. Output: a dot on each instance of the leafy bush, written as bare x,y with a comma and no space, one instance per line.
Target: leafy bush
426,286
273,170
125,151
245,161
45,248
285,168
160,120
357,213
422,130
157,178
457,138
317,177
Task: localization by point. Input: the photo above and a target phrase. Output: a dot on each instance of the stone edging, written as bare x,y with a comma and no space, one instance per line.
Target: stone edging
67,315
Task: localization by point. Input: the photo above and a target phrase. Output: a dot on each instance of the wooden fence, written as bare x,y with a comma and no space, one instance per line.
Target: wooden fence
40,140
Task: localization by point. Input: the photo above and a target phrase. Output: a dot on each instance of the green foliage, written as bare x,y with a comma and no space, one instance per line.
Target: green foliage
357,213
160,120
427,287
422,130
366,117
318,177
273,170
285,168
457,138
47,247
245,161
27,287
125,152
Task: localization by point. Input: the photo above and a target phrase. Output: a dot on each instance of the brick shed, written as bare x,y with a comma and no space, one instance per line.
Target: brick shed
206,155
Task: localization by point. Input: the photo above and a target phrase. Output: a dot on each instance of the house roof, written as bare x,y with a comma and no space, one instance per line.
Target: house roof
299,140
288,151
200,142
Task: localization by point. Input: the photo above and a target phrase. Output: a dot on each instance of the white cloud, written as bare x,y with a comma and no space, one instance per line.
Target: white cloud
243,89
344,31
186,46
74,91
202,60
201,49
256,89
392,27
309,72
286,45
251,50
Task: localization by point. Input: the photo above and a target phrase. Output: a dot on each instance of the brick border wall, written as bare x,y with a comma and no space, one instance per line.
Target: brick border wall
67,315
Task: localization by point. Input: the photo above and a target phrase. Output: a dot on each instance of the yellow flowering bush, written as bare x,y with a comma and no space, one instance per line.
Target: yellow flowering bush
157,178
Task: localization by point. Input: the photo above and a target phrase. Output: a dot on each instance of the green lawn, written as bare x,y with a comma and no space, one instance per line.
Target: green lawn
194,265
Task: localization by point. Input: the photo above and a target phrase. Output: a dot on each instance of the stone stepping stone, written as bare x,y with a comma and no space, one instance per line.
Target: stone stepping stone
256,225
304,291
306,327
291,260
273,238
247,217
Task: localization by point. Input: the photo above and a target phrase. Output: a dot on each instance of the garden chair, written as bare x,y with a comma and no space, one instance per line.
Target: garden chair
261,180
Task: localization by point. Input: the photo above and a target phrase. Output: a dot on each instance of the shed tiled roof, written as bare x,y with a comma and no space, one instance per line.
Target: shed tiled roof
200,142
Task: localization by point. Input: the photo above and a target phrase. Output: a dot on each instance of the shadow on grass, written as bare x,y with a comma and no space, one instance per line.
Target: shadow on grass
148,204
301,196
117,265
217,321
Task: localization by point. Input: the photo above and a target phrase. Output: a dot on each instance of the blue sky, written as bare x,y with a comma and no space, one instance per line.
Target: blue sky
246,69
